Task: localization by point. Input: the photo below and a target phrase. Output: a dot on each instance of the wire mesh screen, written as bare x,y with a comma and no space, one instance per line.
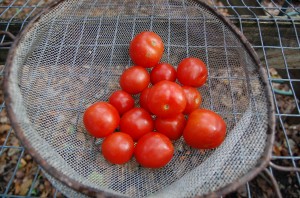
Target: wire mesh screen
74,55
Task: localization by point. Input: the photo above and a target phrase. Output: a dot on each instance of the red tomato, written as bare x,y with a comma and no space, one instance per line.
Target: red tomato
136,122
154,150
122,101
166,99
146,49
192,72
162,71
204,129
134,79
101,119
193,99
171,127
118,148
144,99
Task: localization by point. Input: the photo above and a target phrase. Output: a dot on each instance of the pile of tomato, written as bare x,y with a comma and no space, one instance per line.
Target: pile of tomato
169,107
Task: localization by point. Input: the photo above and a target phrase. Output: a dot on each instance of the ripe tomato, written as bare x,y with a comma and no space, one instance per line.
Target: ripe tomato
144,99
134,79
146,49
204,129
154,150
136,122
192,72
122,101
193,99
172,127
101,119
162,71
118,148
166,99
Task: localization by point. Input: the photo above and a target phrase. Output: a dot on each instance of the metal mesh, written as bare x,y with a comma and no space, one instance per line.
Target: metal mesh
74,55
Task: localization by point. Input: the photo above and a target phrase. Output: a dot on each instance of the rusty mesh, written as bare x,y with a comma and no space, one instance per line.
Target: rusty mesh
73,54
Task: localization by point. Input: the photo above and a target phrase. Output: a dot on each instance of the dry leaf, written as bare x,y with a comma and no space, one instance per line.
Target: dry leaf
17,188
4,120
23,163
12,151
46,193
15,142
2,167
4,128
25,186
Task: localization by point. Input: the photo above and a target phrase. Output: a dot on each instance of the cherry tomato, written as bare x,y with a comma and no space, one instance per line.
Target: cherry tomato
192,72
146,49
204,129
172,127
136,122
118,148
193,98
144,99
122,101
162,71
166,99
154,150
134,79
101,119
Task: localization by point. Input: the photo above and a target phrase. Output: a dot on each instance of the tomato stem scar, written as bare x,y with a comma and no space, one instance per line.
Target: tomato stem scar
153,43
166,107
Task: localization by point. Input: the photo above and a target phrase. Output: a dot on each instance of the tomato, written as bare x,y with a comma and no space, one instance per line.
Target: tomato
134,79
122,101
204,129
144,99
118,148
146,49
101,119
193,98
192,72
162,71
166,99
136,122
172,127
154,150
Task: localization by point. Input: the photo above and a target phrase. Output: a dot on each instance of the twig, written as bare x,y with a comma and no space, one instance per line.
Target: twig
5,44
275,185
10,35
282,168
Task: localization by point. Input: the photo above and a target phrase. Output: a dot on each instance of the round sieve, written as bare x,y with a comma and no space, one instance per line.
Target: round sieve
72,55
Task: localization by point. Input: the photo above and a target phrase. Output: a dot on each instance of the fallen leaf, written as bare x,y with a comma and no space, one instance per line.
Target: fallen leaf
2,167
12,151
15,141
274,73
25,186
28,157
4,120
4,128
277,149
17,188
20,174
23,163
47,184
45,194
